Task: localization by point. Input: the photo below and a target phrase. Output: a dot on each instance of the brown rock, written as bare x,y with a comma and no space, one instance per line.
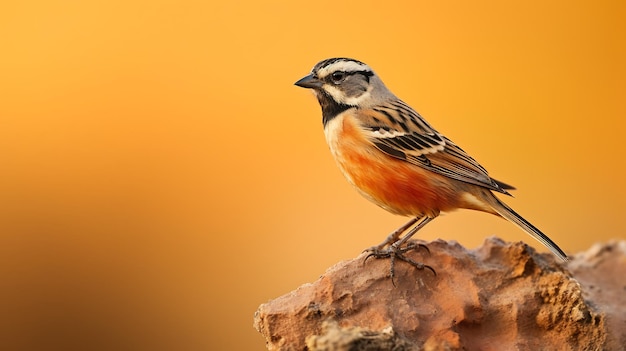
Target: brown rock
497,297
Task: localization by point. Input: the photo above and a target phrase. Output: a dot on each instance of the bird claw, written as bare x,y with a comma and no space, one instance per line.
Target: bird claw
413,245
394,252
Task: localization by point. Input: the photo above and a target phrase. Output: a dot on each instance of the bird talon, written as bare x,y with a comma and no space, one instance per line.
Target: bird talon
367,257
413,245
396,251
417,265
376,253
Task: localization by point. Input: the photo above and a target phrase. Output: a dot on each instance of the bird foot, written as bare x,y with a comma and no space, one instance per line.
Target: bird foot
394,252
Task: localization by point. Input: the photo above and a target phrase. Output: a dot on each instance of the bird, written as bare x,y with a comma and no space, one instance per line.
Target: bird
397,160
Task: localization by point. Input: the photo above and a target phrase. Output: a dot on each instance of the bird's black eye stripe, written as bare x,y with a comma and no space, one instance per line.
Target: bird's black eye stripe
366,74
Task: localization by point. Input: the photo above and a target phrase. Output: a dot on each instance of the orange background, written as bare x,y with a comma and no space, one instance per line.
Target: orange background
161,176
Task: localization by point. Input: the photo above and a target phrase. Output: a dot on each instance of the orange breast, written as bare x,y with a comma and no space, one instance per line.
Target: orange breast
393,184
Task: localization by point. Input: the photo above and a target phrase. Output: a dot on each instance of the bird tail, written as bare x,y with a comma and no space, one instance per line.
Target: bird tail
505,211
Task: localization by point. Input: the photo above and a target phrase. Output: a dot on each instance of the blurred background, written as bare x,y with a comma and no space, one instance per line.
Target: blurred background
161,176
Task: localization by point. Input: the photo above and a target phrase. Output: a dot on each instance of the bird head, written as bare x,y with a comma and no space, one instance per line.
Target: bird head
343,83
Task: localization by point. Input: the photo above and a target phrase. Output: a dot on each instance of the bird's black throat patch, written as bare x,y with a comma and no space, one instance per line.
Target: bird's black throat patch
330,107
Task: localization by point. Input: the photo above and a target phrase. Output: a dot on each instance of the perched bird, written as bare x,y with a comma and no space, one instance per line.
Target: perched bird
397,160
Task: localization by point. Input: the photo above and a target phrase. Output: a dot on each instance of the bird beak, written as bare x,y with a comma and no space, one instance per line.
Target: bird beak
310,82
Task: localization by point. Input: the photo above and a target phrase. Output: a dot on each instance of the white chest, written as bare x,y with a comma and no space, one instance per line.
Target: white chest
346,144
333,130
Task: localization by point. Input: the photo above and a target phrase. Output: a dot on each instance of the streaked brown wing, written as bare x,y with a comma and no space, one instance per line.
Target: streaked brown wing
403,134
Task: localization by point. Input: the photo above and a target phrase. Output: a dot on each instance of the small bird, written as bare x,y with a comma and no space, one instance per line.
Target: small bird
397,160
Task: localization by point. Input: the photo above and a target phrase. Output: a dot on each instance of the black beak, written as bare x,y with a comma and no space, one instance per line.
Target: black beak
310,82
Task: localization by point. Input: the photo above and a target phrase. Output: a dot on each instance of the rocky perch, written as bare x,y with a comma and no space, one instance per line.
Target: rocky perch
500,296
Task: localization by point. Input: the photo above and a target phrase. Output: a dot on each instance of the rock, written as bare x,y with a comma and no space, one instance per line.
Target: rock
500,296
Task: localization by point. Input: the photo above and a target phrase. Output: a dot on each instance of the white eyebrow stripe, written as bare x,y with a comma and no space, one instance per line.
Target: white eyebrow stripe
344,66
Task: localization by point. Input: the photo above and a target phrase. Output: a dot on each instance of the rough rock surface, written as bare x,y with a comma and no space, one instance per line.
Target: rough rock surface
500,296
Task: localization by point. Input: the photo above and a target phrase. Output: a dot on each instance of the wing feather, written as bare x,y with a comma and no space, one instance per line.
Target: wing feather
400,132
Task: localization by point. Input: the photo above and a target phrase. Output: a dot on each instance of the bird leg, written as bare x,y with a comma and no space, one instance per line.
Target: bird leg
394,236
396,250
412,232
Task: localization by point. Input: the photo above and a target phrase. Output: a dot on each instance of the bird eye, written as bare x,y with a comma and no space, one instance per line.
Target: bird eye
338,77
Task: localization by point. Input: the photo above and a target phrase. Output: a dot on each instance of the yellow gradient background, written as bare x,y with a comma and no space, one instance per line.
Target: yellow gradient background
161,176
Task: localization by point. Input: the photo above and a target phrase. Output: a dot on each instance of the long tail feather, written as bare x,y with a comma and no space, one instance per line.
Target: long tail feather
508,213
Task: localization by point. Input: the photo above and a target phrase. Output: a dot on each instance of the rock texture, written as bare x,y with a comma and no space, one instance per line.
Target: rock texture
500,296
